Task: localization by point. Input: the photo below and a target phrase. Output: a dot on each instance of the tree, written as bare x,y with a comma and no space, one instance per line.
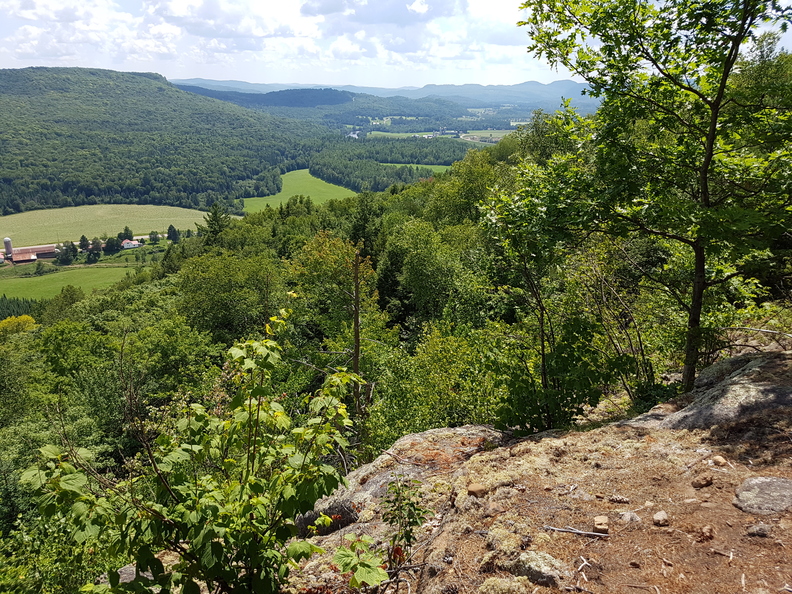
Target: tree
154,237
672,151
84,243
112,245
230,297
217,220
173,234
126,234
67,254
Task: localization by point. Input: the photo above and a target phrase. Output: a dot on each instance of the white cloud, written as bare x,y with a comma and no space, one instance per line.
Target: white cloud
383,42
419,6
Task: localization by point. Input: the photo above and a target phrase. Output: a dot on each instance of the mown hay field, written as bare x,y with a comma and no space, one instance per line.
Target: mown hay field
299,182
49,285
57,225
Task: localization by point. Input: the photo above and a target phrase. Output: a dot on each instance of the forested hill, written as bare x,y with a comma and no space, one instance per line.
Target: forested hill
72,136
285,98
341,109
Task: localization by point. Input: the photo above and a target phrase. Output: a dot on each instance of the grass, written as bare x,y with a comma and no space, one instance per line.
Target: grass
299,182
487,133
68,224
397,134
46,286
435,168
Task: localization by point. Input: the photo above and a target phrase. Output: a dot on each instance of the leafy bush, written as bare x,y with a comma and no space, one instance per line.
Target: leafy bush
218,488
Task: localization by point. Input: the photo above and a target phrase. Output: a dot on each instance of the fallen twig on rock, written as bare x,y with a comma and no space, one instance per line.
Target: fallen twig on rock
575,531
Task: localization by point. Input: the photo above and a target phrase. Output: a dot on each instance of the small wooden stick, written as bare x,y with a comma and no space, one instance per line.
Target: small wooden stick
576,531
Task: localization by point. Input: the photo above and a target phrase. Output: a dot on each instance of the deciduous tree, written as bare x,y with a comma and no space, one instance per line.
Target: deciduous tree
673,154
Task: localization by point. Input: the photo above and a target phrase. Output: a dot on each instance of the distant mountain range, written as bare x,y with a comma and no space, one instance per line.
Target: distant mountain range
533,95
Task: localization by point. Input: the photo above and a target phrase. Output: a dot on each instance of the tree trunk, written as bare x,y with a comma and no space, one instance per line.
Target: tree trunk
693,338
356,331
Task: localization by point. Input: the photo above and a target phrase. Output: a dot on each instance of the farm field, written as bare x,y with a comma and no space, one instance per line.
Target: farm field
299,182
397,134
435,168
49,285
39,227
498,134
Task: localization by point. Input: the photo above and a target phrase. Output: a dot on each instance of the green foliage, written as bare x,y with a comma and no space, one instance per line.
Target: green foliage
39,557
549,389
227,296
217,220
402,510
220,490
362,560
675,151
92,136
14,306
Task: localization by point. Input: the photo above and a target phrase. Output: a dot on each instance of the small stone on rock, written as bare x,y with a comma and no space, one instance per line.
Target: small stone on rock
719,461
493,508
660,519
691,501
635,564
762,530
601,524
628,517
476,490
701,481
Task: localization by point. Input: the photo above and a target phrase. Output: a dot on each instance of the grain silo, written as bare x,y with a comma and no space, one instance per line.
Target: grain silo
9,250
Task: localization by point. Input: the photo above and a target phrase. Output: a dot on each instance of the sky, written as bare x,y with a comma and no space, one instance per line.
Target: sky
384,43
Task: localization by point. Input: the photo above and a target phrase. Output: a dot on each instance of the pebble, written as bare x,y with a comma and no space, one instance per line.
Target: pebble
601,524
476,490
702,480
660,519
719,461
628,517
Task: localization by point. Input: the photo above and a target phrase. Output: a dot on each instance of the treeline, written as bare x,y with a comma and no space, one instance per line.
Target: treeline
357,164
286,98
339,109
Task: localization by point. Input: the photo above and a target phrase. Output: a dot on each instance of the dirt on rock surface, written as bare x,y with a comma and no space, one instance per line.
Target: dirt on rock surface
663,500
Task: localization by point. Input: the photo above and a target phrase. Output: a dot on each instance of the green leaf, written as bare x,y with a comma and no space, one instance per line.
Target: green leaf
345,558
190,587
73,482
113,577
370,576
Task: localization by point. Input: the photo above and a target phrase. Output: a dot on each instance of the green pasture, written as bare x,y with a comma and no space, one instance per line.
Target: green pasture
397,134
435,168
57,225
299,182
486,134
48,285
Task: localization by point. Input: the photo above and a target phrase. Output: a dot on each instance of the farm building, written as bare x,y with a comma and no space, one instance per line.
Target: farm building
28,254
128,244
